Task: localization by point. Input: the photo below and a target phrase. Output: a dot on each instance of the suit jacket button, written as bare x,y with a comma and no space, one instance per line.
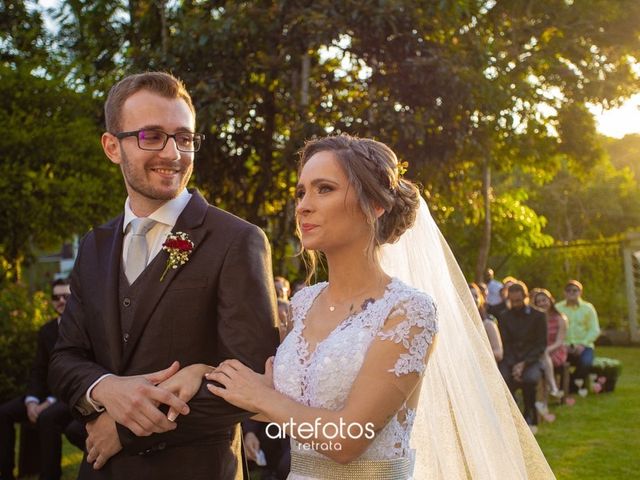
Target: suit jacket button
126,302
125,337
162,446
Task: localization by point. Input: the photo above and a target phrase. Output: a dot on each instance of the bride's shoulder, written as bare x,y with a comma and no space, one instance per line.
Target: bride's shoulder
411,299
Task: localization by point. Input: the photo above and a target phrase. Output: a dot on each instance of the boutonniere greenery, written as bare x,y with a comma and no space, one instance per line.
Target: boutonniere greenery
179,247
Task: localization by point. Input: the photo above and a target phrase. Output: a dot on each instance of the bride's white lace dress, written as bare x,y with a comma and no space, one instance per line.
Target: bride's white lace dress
323,378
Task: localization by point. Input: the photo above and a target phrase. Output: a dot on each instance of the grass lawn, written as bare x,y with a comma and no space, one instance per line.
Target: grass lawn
597,438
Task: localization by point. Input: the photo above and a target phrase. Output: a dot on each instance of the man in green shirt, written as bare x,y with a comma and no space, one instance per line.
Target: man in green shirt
582,331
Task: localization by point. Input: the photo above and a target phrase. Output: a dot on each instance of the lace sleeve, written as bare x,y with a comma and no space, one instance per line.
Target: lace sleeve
385,387
412,324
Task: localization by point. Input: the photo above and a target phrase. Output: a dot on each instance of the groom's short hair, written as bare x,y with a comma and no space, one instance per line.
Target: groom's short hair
161,83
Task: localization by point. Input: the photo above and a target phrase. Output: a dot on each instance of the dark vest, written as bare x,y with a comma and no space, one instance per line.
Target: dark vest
129,297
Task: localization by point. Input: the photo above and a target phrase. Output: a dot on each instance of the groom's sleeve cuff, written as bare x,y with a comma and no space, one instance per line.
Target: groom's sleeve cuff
86,405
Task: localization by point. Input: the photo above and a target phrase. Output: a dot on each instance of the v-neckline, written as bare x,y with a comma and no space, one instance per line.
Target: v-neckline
308,354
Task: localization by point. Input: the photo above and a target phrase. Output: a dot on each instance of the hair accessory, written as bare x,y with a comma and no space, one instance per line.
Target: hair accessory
402,167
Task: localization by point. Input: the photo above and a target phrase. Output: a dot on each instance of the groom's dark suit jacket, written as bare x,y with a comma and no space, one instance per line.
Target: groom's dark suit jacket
219,305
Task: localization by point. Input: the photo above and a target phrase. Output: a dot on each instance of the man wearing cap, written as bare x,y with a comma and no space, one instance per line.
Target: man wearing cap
582,331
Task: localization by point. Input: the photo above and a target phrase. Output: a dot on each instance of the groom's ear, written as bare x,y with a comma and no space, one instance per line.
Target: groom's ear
111,147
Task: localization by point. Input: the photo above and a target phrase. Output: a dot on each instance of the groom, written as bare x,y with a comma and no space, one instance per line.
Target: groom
136,308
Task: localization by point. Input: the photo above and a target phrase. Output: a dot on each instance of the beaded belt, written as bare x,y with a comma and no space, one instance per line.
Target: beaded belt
325,469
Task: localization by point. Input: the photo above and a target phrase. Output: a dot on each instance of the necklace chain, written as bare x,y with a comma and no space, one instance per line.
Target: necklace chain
333,305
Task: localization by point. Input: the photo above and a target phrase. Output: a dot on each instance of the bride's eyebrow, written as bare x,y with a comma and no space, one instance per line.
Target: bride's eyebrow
317,181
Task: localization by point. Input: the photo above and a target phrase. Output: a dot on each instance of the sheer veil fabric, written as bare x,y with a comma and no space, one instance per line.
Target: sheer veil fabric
467,423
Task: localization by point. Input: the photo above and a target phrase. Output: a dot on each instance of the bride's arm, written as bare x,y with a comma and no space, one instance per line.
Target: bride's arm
389,375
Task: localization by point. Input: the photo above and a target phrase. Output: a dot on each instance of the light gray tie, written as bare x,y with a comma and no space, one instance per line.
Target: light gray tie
138,252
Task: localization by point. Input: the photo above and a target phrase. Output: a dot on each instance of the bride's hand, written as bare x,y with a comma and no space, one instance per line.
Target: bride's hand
185,384
242,386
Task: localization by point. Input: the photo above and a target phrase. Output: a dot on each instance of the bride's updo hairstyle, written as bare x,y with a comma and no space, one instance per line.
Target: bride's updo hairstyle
373,170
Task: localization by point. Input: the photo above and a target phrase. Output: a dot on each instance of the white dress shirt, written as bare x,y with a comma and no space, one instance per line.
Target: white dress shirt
493,297
166,217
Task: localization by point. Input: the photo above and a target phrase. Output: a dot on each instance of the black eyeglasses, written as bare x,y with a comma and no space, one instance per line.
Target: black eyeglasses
156,140
57,298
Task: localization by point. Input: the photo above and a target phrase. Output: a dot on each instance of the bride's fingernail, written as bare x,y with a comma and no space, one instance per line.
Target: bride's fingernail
172,416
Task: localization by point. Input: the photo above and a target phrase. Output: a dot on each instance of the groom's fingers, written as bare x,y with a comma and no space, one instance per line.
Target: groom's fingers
91,455
151,421
162,375
142,416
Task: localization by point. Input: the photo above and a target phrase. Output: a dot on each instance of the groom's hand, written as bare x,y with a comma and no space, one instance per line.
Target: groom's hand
103,441
133,401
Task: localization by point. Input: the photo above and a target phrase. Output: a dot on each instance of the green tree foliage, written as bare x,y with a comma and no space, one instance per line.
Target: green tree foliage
54,180
625,152
21,34
597,203
470,92
21,315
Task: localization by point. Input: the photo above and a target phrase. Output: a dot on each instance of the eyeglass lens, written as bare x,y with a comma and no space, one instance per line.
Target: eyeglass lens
156,140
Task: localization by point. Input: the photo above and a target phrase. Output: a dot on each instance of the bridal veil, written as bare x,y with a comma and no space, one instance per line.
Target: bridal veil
467,424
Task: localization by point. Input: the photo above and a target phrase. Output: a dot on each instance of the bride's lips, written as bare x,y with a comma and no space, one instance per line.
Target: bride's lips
307,227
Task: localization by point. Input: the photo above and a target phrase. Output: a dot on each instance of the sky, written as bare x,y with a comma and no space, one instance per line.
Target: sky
621,121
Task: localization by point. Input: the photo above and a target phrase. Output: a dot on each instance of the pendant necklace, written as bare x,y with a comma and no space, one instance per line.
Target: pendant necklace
332,308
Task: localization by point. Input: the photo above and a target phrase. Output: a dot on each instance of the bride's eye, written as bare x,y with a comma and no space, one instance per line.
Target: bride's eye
299,194
325,189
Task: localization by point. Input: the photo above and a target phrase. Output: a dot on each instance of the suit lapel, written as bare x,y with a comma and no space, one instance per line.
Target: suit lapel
109,250
190,222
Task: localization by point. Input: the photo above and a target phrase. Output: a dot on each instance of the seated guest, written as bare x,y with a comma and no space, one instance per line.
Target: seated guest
497,308
524,337
50,416
489,322
582,330
556,352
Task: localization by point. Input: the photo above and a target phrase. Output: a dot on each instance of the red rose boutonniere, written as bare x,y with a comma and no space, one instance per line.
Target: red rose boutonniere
179,247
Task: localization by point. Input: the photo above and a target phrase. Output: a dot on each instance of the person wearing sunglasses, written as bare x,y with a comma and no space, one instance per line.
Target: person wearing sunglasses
38,406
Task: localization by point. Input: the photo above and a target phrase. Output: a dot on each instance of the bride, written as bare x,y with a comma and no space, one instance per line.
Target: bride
386,373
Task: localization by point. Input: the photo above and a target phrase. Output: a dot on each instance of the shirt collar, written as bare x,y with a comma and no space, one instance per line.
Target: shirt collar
580,303
167,214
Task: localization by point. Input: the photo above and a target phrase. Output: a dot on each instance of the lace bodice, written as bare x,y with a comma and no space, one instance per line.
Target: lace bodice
323,378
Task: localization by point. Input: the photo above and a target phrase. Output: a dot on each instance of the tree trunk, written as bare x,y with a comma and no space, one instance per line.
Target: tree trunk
304,80
485,240
164,29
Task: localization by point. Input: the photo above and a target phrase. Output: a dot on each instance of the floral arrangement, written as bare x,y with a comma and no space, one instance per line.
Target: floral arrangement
179,247
607,371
